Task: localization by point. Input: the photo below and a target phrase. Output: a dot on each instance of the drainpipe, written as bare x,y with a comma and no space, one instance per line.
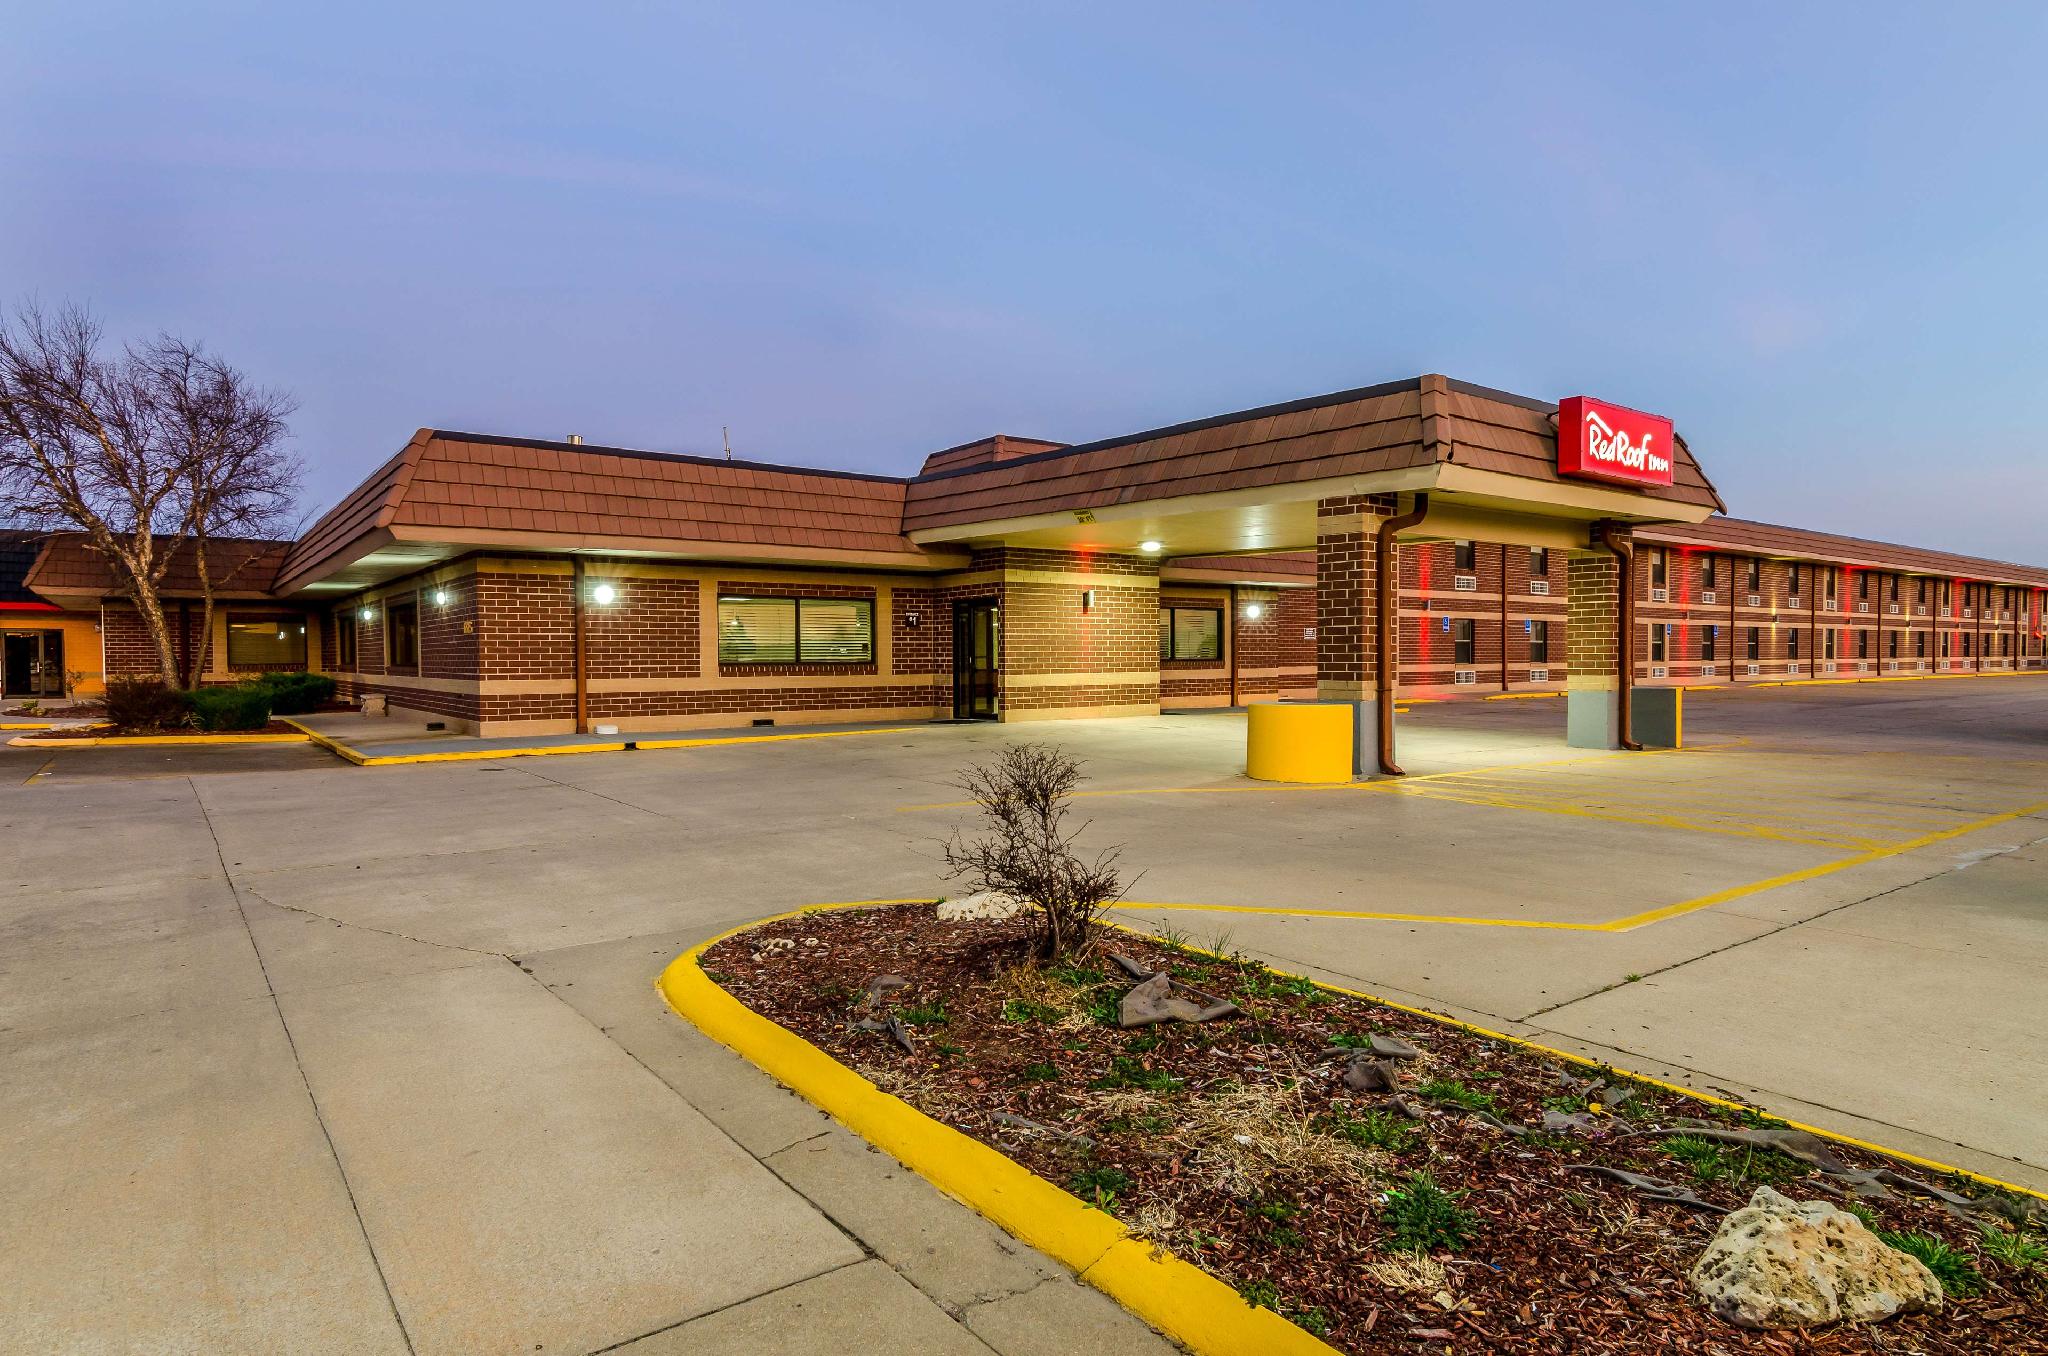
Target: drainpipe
582,669
1233,644
1384,648
1624,546
1503,616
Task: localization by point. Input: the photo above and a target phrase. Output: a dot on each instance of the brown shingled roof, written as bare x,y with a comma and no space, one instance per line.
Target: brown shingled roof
1418,422
1771,539
70,564
469,486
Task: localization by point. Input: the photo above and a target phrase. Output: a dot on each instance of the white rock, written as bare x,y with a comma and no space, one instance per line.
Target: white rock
1781,1263
994,905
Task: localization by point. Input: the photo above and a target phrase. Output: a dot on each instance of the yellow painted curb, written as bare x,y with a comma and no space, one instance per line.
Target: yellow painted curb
1180,1300
610,744
130,741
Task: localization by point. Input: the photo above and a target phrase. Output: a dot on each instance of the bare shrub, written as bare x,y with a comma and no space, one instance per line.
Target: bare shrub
1025,849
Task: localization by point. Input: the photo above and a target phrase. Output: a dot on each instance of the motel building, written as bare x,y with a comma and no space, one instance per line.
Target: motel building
1420,537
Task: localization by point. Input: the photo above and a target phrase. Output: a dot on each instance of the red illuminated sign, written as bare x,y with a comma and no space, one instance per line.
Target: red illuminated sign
1612,442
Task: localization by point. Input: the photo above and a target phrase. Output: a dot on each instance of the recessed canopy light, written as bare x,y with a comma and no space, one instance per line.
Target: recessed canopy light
1150,548
604,593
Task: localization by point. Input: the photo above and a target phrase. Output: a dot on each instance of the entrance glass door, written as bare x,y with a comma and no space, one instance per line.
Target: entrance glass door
32,664
976,647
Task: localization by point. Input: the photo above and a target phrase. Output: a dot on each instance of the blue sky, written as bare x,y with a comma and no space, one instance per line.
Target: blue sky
1815,235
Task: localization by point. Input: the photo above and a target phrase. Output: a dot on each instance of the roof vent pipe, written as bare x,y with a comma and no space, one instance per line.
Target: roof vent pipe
575,440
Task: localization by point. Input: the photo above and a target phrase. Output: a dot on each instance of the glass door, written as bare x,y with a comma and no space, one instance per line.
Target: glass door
976,651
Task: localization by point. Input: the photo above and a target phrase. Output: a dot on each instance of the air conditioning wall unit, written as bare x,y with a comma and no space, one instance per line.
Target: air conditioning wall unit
1708,596
1708,671
1539,675
1892,608
1539,586
1827,668
1863,607
1660,595
1753,669
1656,670
1793,601
1464,677
1755,600
1465,583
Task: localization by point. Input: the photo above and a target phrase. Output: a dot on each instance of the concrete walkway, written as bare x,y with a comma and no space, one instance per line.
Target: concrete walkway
307,1057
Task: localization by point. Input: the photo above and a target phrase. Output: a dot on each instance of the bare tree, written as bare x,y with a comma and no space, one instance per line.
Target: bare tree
235,479
1027,851
139,451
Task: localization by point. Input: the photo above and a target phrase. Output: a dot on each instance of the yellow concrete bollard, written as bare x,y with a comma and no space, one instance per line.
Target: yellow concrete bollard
1298,742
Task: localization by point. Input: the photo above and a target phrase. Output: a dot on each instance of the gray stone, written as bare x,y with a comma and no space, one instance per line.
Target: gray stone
1781,1263
1392,1047
989,905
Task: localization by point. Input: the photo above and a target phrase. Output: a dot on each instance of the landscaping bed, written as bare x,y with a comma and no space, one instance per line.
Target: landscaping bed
78,732
1440,1215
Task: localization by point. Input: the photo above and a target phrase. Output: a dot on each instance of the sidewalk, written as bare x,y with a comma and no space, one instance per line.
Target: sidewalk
378,740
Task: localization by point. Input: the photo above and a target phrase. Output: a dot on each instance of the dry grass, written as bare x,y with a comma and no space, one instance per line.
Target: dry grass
1247,1135
1415,1273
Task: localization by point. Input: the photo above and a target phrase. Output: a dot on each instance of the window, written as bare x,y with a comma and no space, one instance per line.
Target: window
1191,633
1920,591
1658,633
1461,643
1756,644
1797,571
266,642
1895,588
1862,644
1462,557
1832,573
1792,645
402,635
1966,644
1828,643
344,624
1944,593
1919,645
1863,585
1539,642
1892,646
1707,573
1539,562
1708,635
1660,568
796,630
1756,574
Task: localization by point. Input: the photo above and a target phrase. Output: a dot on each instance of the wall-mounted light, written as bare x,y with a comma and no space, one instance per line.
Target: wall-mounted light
368,614
1254,611
1150,548
1087,600
440,597
603,594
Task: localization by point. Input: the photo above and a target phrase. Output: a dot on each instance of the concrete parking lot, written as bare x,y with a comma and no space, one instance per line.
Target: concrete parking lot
308,1057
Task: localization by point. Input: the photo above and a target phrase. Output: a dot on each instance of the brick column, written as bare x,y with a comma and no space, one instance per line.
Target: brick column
1347,616
1593,659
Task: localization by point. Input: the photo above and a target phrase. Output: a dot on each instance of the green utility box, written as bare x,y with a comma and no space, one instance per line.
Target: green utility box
1657,716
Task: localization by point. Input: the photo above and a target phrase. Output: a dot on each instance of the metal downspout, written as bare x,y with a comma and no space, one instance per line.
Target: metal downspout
1384,647
582,667
1624,546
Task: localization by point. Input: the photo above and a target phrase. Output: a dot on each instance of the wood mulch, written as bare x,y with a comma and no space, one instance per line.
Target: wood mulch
115,732
1237,1144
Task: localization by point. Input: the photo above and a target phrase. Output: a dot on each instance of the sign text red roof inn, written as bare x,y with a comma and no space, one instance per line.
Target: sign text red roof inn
1601,441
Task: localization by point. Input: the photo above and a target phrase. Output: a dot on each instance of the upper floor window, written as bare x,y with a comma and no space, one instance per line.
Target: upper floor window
1756,574
1539,562
1660,568
1462,555
1707,573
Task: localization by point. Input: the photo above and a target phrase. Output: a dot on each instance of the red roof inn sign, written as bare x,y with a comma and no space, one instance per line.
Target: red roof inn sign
1612,442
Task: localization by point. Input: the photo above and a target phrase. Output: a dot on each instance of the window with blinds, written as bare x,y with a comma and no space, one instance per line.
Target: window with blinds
258,643
796,630
1191,633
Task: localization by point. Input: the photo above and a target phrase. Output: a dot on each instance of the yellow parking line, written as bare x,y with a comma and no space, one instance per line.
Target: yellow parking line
1654,821
1625,924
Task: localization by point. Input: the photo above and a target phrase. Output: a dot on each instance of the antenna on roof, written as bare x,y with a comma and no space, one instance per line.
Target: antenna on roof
726,430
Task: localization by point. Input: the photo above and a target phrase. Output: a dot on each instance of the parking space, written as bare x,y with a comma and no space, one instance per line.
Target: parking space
431,984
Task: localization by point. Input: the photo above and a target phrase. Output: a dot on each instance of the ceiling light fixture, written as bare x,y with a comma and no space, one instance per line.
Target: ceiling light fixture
1150,548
